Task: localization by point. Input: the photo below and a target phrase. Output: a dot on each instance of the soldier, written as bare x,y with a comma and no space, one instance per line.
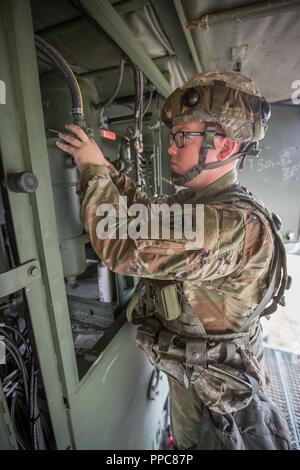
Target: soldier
199,303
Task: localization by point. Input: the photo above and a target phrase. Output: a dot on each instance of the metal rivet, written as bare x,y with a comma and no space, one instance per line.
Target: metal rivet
33,271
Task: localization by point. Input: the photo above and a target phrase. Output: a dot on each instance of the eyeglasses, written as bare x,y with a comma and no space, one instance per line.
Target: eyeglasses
180,136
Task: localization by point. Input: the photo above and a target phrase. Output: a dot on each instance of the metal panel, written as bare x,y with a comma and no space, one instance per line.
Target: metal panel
106,15
111,409
77,23
242,13
270,45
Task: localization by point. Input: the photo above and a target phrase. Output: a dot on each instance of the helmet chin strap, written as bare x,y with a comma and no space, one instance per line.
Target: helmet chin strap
208,143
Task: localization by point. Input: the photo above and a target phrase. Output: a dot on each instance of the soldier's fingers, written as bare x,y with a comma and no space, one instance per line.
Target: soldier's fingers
69,138
66,148
78,132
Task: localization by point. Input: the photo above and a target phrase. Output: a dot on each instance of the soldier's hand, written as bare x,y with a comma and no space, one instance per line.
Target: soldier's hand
83,148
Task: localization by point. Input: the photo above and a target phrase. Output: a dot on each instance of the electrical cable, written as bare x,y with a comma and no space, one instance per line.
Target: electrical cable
137,102
116,90
21,390
149,102
18,333
141,105
20,364
13,414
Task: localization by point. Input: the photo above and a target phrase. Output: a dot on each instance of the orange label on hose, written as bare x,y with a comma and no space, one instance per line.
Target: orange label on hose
108,134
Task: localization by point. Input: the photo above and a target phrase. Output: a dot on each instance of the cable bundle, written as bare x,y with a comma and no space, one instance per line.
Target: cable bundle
19,378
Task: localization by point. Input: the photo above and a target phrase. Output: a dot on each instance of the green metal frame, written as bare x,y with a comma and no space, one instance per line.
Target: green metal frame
19,278
23,147
169,19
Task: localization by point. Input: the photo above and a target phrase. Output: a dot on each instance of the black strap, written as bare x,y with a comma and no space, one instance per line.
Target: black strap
210,132
268,296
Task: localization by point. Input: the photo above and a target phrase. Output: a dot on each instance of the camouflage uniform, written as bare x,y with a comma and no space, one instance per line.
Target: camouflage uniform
193,305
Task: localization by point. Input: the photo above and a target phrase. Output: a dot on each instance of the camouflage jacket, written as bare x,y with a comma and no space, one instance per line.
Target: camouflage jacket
223,278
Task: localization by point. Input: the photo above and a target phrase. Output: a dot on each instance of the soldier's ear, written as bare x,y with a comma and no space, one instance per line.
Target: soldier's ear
228,148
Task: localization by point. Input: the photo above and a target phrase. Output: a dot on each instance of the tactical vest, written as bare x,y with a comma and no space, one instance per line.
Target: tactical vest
223,369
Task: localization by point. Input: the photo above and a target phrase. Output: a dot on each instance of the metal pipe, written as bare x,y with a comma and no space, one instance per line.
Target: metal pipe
245,12
188,36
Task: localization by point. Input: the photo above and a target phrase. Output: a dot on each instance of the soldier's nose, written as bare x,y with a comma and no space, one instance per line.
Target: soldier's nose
172,150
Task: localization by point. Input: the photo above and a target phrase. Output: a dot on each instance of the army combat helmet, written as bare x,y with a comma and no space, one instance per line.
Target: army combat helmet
228,99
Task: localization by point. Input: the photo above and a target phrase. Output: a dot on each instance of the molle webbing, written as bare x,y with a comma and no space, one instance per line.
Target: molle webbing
278,272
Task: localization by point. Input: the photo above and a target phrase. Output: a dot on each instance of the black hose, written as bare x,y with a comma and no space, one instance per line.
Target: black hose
47,432
60,63
32,408
20,387
13,414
